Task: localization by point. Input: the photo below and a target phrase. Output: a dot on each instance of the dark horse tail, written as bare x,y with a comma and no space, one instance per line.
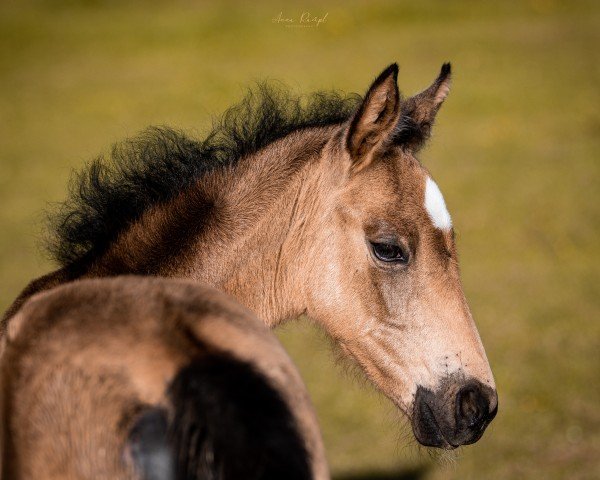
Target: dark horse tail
45,282
225,422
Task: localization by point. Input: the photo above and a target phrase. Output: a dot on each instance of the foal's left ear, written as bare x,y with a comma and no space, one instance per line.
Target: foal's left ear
375,119
418,112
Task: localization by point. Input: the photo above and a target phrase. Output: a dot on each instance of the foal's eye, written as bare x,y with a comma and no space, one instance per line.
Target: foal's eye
390,252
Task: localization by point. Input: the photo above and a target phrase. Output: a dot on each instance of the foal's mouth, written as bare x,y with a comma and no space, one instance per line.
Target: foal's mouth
427,424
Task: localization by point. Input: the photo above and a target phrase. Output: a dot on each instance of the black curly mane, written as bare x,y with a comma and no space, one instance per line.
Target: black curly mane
114,191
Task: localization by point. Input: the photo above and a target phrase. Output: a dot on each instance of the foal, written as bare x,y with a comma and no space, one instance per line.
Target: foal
318,208
154,379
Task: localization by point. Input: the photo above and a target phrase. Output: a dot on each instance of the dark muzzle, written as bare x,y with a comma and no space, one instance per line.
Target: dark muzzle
454,415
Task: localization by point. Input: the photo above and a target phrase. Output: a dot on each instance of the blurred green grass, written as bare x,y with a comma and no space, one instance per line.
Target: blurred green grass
515,151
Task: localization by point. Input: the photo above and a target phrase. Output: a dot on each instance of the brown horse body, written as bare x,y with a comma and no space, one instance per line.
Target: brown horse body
147,378
334,218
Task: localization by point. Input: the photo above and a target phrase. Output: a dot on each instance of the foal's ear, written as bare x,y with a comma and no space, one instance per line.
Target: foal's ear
375,119
418,112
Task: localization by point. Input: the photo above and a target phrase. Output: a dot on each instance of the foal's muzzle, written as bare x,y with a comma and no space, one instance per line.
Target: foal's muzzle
456,414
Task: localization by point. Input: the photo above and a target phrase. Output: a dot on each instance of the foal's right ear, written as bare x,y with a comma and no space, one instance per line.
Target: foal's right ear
375,119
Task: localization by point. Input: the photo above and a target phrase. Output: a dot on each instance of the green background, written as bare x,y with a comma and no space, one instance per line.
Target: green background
515,152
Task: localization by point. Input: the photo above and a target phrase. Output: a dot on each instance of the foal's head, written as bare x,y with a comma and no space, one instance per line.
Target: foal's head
391,294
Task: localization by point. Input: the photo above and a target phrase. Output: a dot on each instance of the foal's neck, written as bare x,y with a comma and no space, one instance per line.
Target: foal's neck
241,229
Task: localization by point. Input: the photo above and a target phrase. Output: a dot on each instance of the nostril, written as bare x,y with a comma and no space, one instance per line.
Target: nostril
471,407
